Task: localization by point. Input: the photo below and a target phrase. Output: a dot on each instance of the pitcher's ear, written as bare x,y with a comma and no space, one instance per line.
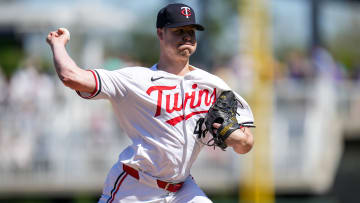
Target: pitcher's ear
160,33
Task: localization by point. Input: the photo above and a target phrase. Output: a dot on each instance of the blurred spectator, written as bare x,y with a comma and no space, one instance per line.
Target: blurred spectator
22,93
354,73
325,65
238,73
299,66
31,97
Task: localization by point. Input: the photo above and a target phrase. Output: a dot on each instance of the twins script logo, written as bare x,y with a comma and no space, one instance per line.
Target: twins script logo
195,99
186,11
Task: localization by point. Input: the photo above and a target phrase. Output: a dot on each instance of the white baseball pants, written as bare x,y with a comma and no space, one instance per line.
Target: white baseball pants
120,187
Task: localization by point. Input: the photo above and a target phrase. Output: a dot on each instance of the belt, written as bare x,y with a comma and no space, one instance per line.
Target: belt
171,187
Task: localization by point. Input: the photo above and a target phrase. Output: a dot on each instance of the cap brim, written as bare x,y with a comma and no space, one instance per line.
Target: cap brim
197,26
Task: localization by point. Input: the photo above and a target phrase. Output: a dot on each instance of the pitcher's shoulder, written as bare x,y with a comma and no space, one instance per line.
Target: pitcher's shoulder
135,69
207,75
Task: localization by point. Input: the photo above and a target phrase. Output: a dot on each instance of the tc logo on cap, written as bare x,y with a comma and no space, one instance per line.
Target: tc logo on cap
177,15
186,11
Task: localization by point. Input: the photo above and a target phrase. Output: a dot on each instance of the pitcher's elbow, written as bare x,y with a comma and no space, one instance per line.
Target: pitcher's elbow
243,149
67,78
245,146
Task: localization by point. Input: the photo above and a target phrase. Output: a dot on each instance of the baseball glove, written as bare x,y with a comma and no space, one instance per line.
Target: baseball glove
223,111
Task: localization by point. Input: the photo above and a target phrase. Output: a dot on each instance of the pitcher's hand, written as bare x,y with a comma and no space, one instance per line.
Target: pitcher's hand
59,37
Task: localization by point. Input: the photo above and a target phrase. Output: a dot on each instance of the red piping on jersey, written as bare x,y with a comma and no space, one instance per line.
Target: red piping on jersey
96,84
117,188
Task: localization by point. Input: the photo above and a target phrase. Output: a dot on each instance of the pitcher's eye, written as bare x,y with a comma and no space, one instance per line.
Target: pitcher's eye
180,31
191,32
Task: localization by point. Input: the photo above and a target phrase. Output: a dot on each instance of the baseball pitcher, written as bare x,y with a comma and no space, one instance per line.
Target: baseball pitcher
170,111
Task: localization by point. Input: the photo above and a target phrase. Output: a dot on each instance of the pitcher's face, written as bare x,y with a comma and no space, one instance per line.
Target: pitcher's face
179,41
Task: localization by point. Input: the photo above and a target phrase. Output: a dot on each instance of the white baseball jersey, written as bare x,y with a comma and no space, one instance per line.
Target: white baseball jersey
158,111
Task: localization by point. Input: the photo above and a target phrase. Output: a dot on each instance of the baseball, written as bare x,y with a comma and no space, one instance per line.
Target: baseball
65,32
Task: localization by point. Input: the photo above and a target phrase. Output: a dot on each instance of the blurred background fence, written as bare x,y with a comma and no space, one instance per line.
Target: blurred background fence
52,143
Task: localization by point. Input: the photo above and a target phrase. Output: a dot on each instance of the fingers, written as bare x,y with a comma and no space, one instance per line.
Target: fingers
216,125
60,31
61,35
50,36
65,32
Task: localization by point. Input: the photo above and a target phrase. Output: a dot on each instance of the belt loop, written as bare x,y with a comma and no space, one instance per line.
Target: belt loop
167,186
133,172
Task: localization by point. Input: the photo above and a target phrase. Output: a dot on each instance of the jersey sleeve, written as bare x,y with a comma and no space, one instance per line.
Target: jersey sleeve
244,114
109,84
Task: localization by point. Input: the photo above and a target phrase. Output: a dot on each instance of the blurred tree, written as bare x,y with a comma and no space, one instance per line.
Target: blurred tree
345,45
11,53
217,17
142,47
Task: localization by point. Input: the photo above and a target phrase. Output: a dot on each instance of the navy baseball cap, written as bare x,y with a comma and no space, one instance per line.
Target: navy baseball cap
177,15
